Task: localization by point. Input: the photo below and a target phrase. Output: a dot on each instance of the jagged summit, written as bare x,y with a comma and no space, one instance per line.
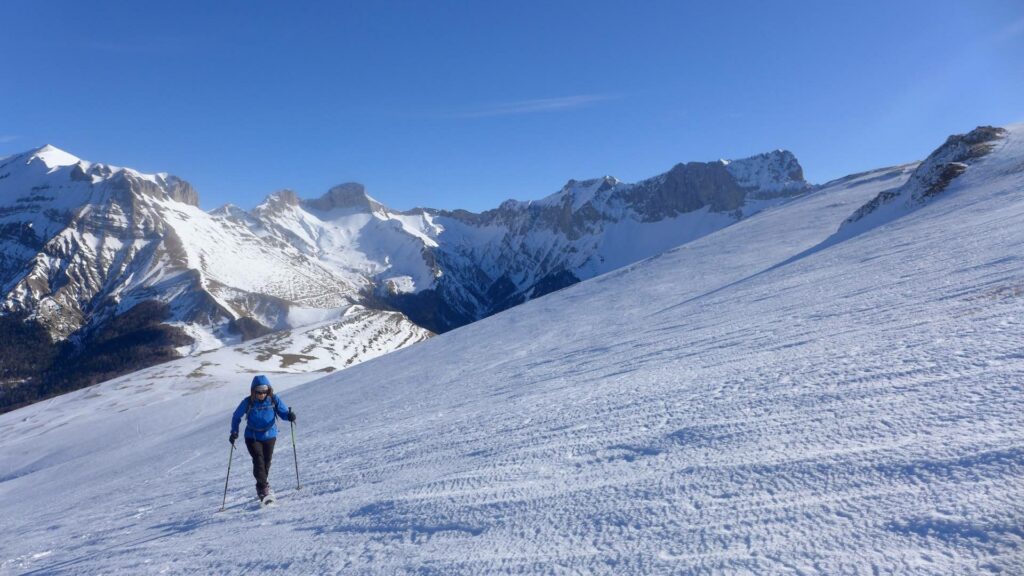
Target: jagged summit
932,176
350,195
725,185
575,193
53,157
347,195
773,172
607,181
51,162
285,197
228,210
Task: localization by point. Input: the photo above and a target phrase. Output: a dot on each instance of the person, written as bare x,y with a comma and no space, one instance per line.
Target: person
261,410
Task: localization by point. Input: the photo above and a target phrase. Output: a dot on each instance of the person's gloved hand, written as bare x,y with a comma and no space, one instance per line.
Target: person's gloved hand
233,437
291,415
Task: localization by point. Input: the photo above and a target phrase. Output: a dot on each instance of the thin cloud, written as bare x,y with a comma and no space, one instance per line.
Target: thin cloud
148,45
5,138
535,106
1010,31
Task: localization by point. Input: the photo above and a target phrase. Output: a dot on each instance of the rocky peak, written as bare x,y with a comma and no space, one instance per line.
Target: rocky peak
723,186
286,197
180,190
52,157
161,186
768,173
691,186
348,195
279,201
937,171
598,184
951,160
228,211
49,162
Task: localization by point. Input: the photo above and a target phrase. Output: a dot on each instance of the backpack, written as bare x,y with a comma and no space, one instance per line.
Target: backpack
273,399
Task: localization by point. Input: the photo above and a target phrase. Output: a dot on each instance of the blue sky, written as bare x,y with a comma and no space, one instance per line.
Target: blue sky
465,104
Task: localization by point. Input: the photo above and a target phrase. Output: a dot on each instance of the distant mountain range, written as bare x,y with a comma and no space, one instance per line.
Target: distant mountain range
444,269
82,244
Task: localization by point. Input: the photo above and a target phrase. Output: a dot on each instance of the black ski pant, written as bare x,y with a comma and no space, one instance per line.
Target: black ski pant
262,451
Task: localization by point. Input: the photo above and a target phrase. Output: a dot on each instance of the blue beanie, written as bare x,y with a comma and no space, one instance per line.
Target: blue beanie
260,380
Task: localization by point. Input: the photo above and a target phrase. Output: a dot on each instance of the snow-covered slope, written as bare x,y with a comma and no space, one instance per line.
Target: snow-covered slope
723,407
355,335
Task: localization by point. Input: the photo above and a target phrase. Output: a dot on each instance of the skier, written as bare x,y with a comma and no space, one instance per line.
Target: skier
261,410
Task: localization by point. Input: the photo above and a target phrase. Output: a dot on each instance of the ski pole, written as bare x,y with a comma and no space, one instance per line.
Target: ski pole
298,485
231,456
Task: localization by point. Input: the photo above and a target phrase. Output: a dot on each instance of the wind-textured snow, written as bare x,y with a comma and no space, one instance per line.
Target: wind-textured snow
765,403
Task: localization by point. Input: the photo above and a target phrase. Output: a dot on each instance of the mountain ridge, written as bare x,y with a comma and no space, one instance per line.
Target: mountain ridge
136,237
457,266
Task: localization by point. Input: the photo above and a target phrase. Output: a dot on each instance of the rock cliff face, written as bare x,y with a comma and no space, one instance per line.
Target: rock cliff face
349,195
933,175
73,228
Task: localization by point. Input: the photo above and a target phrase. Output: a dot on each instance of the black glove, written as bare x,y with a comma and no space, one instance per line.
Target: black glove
291,415
233,437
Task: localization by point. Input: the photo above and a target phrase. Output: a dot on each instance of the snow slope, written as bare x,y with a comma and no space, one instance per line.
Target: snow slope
758,407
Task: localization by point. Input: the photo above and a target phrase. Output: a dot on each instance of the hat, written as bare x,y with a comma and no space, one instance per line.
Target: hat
258,381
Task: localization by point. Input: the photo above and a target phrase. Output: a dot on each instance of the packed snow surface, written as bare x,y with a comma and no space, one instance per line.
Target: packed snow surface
744,403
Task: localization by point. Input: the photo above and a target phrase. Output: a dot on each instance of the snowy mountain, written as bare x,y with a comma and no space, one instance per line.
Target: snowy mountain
349,233
83,241
447,268
521,251
81,244
767,398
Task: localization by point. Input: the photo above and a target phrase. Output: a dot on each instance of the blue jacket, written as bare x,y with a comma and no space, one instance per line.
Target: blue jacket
261,422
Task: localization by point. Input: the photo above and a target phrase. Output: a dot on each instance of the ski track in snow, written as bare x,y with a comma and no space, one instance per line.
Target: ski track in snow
856,411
